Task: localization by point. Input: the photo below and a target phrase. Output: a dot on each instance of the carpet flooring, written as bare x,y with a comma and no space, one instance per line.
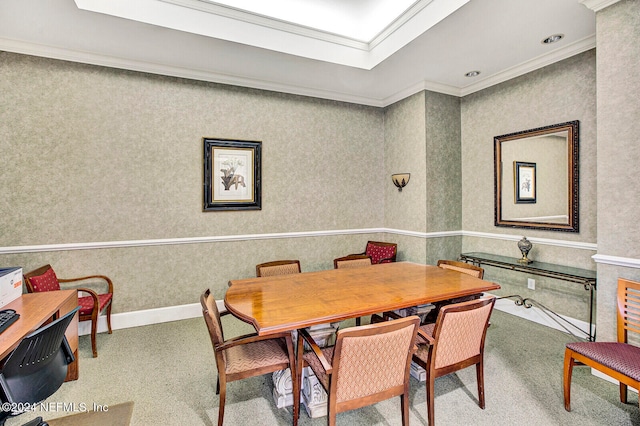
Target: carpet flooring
168,371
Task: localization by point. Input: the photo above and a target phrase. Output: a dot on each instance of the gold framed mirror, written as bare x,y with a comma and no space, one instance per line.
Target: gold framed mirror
536,178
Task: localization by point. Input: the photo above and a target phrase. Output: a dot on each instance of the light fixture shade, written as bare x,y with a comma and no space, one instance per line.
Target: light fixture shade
400,180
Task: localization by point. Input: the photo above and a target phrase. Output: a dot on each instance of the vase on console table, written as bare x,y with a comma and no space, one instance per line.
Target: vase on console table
525,246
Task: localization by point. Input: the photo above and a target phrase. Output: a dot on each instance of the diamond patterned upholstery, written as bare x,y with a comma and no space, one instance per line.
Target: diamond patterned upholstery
278,267
619,360
380,252
45,279
455,341
368,364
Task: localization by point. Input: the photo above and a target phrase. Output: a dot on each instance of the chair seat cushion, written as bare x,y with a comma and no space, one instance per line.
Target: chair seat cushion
621,357
86,303
255,355
317,367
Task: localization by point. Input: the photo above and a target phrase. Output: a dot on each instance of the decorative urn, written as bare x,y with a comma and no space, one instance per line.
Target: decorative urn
525,246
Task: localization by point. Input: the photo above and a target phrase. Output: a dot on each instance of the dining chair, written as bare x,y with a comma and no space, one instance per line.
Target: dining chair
278,267
247,356
352,261
454,342
619,360
368,364
465,268
91,306
381,252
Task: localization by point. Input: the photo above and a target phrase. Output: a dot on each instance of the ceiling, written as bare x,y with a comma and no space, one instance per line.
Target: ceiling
372,52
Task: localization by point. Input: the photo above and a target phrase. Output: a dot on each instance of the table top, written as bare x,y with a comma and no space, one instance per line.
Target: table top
34,310
289,302
512,262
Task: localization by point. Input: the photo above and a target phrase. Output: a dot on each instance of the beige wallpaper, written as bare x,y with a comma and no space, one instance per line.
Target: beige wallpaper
618,38
92,154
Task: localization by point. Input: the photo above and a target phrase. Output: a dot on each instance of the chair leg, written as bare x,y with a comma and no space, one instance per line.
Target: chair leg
623,393
223,397
480,379
94,330
568,370
109,317
404,407
430,390
358,322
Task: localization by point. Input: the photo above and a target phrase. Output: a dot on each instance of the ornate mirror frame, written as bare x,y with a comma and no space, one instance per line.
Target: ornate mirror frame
539,178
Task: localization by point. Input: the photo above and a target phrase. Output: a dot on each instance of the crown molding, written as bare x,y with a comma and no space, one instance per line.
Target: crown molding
532,65
597,5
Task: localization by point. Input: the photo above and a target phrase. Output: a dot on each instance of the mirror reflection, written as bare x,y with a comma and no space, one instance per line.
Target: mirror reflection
536,175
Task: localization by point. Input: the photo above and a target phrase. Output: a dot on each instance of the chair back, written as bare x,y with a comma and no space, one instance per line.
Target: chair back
278,267
628,308
460,332
42,279
38,366
212,318
465,268
371,363
352,261
381,252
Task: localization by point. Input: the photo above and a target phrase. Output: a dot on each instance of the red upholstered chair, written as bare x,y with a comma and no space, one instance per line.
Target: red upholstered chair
619,360
45,279
367,365
381,252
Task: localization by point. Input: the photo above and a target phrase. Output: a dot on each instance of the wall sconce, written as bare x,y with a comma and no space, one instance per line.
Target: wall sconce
400,180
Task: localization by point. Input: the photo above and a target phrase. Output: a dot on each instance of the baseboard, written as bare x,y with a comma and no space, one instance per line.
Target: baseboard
147,317
537,315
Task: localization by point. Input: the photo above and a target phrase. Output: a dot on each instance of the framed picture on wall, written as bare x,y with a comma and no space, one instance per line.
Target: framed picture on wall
525,182
232,174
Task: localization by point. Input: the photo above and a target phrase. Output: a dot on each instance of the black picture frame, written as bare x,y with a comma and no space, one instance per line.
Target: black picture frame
524,182
232,174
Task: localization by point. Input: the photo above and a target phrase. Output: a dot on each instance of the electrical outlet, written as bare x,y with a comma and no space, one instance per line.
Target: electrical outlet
531,284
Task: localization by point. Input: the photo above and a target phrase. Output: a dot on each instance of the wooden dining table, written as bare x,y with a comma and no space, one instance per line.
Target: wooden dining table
295,301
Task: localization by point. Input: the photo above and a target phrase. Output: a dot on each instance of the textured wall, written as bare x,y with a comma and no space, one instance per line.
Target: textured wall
618,56
92,154
558,93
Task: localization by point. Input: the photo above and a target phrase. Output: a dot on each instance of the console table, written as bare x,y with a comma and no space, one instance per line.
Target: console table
585,277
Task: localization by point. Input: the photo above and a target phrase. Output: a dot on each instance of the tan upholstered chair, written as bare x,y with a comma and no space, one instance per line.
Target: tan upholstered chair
465,268
278,267
454,342
45,279
352,261
381,252
368,364
619,360
247,356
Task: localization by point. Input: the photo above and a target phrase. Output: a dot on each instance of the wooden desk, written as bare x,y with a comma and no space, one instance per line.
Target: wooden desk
35,309
290,302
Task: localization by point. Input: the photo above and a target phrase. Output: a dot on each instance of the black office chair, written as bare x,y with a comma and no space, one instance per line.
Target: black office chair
36,368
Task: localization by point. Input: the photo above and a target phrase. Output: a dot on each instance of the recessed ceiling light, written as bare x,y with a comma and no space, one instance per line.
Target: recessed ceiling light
552,39
472,74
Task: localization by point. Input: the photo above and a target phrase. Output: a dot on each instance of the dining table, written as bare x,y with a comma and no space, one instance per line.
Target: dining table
294,301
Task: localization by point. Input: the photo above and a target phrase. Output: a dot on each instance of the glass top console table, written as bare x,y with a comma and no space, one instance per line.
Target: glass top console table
585,277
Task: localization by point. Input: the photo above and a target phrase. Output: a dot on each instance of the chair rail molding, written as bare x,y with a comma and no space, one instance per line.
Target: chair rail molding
285,235
627,262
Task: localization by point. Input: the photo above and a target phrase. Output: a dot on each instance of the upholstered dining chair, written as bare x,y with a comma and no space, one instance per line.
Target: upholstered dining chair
91,306
455,341
278,267
619,360
247,356
381,252
368,364
465,268
350,262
